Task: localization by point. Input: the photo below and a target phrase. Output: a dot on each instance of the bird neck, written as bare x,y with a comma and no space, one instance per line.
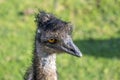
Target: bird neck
44,65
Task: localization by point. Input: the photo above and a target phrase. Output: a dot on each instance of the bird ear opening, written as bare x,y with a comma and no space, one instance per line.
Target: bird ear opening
70,28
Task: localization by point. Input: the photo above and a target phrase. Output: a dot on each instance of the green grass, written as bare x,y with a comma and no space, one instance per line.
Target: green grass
96,33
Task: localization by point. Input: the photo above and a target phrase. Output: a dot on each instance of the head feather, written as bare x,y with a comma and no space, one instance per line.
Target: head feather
47,21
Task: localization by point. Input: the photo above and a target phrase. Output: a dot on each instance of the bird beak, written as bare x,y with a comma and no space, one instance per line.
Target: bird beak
71,48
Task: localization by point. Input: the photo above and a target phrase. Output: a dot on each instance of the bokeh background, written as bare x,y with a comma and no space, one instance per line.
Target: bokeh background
96,33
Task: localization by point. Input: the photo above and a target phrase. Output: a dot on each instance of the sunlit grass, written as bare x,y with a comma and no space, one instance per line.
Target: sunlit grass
96,33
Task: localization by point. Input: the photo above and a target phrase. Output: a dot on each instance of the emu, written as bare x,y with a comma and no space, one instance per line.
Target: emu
53,36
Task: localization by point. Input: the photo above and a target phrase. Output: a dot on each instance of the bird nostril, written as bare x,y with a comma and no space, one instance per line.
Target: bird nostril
72,50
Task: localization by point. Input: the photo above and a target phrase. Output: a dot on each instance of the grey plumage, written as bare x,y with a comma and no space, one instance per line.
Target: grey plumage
53,36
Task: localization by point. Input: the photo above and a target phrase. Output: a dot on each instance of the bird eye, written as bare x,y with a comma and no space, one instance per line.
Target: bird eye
52,41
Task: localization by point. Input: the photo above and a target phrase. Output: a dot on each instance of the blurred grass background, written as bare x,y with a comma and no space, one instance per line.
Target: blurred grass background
96,33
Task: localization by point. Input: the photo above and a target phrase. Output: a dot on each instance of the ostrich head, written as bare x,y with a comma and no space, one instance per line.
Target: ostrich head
54,35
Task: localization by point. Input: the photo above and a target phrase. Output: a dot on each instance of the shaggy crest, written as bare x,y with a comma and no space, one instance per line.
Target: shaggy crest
47,21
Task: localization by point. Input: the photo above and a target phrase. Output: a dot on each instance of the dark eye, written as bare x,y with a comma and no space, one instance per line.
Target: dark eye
52,41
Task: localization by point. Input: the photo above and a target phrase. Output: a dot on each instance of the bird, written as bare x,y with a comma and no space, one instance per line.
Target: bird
53,36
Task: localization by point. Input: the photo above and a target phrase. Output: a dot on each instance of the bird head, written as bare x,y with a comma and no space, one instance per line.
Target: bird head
54,35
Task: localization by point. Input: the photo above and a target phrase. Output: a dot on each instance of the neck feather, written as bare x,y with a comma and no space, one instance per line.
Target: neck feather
44,65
